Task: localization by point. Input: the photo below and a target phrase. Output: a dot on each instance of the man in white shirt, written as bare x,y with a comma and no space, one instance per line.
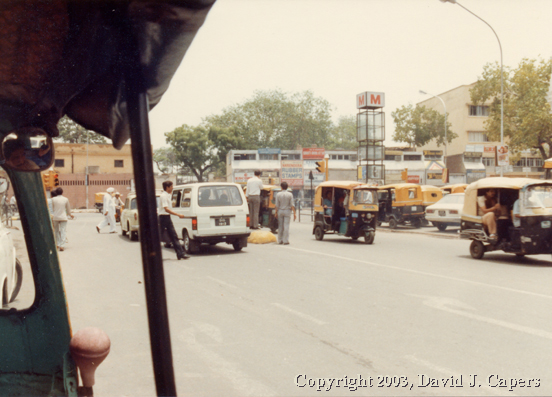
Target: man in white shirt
108,211
254,187
61,210
165,222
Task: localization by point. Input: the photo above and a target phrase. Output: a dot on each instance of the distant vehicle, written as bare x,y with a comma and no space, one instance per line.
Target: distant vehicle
98,201
401,203
215,212
11,272
446,212
129,216
456,188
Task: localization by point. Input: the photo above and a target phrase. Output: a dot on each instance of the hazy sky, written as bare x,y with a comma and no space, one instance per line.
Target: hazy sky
339,48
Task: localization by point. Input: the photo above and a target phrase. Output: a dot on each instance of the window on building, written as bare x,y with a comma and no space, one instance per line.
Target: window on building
245,156
59,163
433,157
119,163
268,156
529,162
489,161
392,157
293,156
479,110
477,136
412,157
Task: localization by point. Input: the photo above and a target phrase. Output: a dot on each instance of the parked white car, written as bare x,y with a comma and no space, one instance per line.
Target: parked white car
129,216
446,212
215,212
11,272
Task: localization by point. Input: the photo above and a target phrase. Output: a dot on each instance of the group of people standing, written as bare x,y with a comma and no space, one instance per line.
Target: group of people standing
283,203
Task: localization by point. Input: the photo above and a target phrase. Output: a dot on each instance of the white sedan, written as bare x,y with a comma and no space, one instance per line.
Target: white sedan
446,212
11,272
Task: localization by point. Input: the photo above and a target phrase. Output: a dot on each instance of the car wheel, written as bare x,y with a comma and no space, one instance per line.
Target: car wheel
237,246
477,249
189,245
18,281
441,226
123,231
134,236
319,233
392,223
369,237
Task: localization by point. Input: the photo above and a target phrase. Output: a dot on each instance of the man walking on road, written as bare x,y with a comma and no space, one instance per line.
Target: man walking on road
61,210
165,223
108,211
254,187
284,207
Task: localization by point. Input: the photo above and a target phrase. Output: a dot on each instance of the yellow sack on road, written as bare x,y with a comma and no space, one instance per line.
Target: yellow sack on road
261,237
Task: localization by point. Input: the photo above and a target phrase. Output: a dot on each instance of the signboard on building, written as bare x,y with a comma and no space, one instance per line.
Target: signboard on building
413,179
313,153
433,152
502,155
269,151
370,100
292,172
243,176
489,149
318,178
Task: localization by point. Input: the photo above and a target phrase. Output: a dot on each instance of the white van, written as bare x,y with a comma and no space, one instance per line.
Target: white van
215,212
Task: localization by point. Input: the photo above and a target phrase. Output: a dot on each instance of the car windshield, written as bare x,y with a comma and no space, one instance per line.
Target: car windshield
217,196
452,199
364,197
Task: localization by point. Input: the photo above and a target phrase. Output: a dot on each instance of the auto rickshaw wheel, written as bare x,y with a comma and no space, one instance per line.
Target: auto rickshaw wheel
18,280
319,233
392,223
369,237
477,249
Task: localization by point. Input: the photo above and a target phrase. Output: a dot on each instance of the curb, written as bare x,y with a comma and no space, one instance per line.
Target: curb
448,236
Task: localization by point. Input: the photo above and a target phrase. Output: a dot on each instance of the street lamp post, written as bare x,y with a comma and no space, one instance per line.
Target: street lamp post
445,106
501,75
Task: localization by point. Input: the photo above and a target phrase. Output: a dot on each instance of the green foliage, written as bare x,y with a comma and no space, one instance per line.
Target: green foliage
165,158
202,150
278,120
527,117
419,125
71,132
344,134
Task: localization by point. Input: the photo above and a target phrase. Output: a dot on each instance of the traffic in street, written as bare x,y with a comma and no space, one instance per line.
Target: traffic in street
411,314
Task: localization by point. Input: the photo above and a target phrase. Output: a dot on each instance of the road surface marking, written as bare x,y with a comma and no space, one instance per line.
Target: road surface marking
463,280
221,282
299,314
242,383
443,304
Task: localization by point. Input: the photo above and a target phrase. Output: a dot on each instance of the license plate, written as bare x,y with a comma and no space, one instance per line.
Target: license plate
222,221
545,224
442,213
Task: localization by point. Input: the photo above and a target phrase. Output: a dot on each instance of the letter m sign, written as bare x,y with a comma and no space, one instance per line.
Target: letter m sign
370,100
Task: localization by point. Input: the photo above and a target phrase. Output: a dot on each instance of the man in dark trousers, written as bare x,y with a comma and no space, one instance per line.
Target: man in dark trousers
165,223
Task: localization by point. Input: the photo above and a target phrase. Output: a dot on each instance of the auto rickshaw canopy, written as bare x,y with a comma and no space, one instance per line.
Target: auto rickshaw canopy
342,184
471,193
455,188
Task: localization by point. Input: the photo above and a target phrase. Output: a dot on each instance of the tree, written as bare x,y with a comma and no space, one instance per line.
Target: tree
419,125
202,150
165,159
344,134
71,132
527,117
276,119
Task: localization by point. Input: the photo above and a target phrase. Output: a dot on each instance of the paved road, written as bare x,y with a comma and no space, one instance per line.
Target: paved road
409,311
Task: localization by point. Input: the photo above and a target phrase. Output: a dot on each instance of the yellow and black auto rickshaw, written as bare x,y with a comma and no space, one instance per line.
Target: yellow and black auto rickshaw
523,222
455,188
345,208
430,195
401,203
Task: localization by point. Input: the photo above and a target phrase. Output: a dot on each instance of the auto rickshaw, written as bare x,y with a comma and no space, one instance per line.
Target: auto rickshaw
524,221
98,201
401,203
455,188
430,195
267,209
345,208
104,65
